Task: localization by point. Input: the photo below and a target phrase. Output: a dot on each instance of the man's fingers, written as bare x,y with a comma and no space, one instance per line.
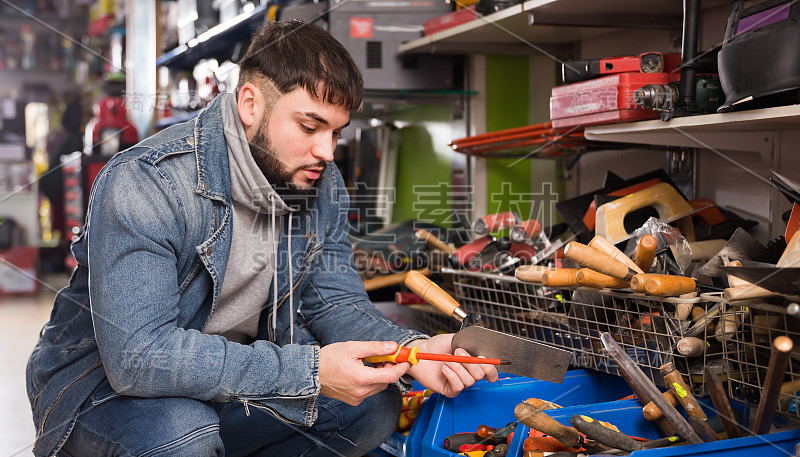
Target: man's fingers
373,348
454,385
389,373
475,370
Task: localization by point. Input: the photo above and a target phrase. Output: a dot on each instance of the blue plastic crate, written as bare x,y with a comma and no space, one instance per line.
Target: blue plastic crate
779,444
493,404
627,416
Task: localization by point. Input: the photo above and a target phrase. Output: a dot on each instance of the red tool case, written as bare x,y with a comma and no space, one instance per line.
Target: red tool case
604,100
449,20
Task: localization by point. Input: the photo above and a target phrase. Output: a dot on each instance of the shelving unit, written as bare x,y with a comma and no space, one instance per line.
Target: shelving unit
739,131
22,206
218,40
522,28
59,81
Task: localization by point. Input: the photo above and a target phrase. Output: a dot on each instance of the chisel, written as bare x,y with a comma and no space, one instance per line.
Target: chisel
587,277
684,394
592,258
645,252
538,420
599,432
413,356
642,382
562,277
605,246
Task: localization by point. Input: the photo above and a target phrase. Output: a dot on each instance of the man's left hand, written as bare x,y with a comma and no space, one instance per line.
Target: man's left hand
448,378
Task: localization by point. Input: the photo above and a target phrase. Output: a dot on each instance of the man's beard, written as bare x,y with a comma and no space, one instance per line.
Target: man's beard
295,196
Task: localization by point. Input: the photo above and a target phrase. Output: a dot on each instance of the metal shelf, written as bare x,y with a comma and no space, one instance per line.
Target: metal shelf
57,80
521,28
738,131
215,42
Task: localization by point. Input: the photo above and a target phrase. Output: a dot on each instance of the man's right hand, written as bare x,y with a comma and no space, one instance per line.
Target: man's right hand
343,376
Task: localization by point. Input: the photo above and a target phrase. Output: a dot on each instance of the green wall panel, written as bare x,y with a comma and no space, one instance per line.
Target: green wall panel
508,181
423,163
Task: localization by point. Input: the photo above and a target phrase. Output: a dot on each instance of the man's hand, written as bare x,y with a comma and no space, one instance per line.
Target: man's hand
448,378
343,376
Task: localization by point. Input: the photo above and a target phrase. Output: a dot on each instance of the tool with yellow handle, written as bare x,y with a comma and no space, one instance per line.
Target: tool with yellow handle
413,356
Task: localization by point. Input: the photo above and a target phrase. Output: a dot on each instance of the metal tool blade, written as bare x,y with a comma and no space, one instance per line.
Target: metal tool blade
554,246
780,280
528,357
741,246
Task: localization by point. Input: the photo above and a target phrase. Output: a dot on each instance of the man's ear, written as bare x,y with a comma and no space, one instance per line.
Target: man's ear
248,106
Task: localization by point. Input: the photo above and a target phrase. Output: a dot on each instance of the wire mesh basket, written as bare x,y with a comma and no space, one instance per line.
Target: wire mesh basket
753,327
573,319
431,321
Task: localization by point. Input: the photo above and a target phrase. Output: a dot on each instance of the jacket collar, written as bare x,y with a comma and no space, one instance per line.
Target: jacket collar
213,170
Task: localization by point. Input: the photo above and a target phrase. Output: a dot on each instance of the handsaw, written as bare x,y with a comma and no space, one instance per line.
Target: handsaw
528,358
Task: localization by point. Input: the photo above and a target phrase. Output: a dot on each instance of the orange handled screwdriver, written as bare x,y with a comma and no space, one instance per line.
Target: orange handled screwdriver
413,356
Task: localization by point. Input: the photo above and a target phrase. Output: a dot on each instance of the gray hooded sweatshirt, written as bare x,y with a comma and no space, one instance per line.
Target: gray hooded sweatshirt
254,244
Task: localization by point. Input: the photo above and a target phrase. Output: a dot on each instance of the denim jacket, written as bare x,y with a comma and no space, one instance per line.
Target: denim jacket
156,243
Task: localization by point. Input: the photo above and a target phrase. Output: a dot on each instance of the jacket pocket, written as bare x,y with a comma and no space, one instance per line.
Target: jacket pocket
103,393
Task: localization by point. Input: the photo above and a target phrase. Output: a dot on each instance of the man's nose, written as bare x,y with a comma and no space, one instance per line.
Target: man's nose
323,150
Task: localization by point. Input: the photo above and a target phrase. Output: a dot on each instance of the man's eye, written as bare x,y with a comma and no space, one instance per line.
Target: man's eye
337,135
306,128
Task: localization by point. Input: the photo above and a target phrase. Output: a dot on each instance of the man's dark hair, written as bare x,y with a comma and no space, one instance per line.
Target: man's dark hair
294,54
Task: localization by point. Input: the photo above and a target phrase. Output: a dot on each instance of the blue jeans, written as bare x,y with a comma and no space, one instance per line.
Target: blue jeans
159,427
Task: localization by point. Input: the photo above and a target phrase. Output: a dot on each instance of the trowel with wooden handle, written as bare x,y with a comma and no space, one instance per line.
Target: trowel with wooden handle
528,358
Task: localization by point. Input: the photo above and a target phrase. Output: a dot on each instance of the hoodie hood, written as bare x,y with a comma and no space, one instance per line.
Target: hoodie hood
249,186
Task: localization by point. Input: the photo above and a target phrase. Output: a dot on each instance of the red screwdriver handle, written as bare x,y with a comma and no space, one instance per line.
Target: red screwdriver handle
402,354
413,356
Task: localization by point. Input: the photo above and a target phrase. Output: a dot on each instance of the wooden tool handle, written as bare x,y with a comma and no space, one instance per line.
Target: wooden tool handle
741,289
538,420
587,277
675,381
531,273
542,404
727,326
735,281
393,279
651,411
433,241
703,321
605,246
431,293
747,293
638,281
563,277
779,359
596,260
683,310
691,346
602,434
669,286
645,252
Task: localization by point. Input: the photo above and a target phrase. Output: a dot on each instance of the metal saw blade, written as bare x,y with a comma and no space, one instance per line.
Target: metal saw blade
528,357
